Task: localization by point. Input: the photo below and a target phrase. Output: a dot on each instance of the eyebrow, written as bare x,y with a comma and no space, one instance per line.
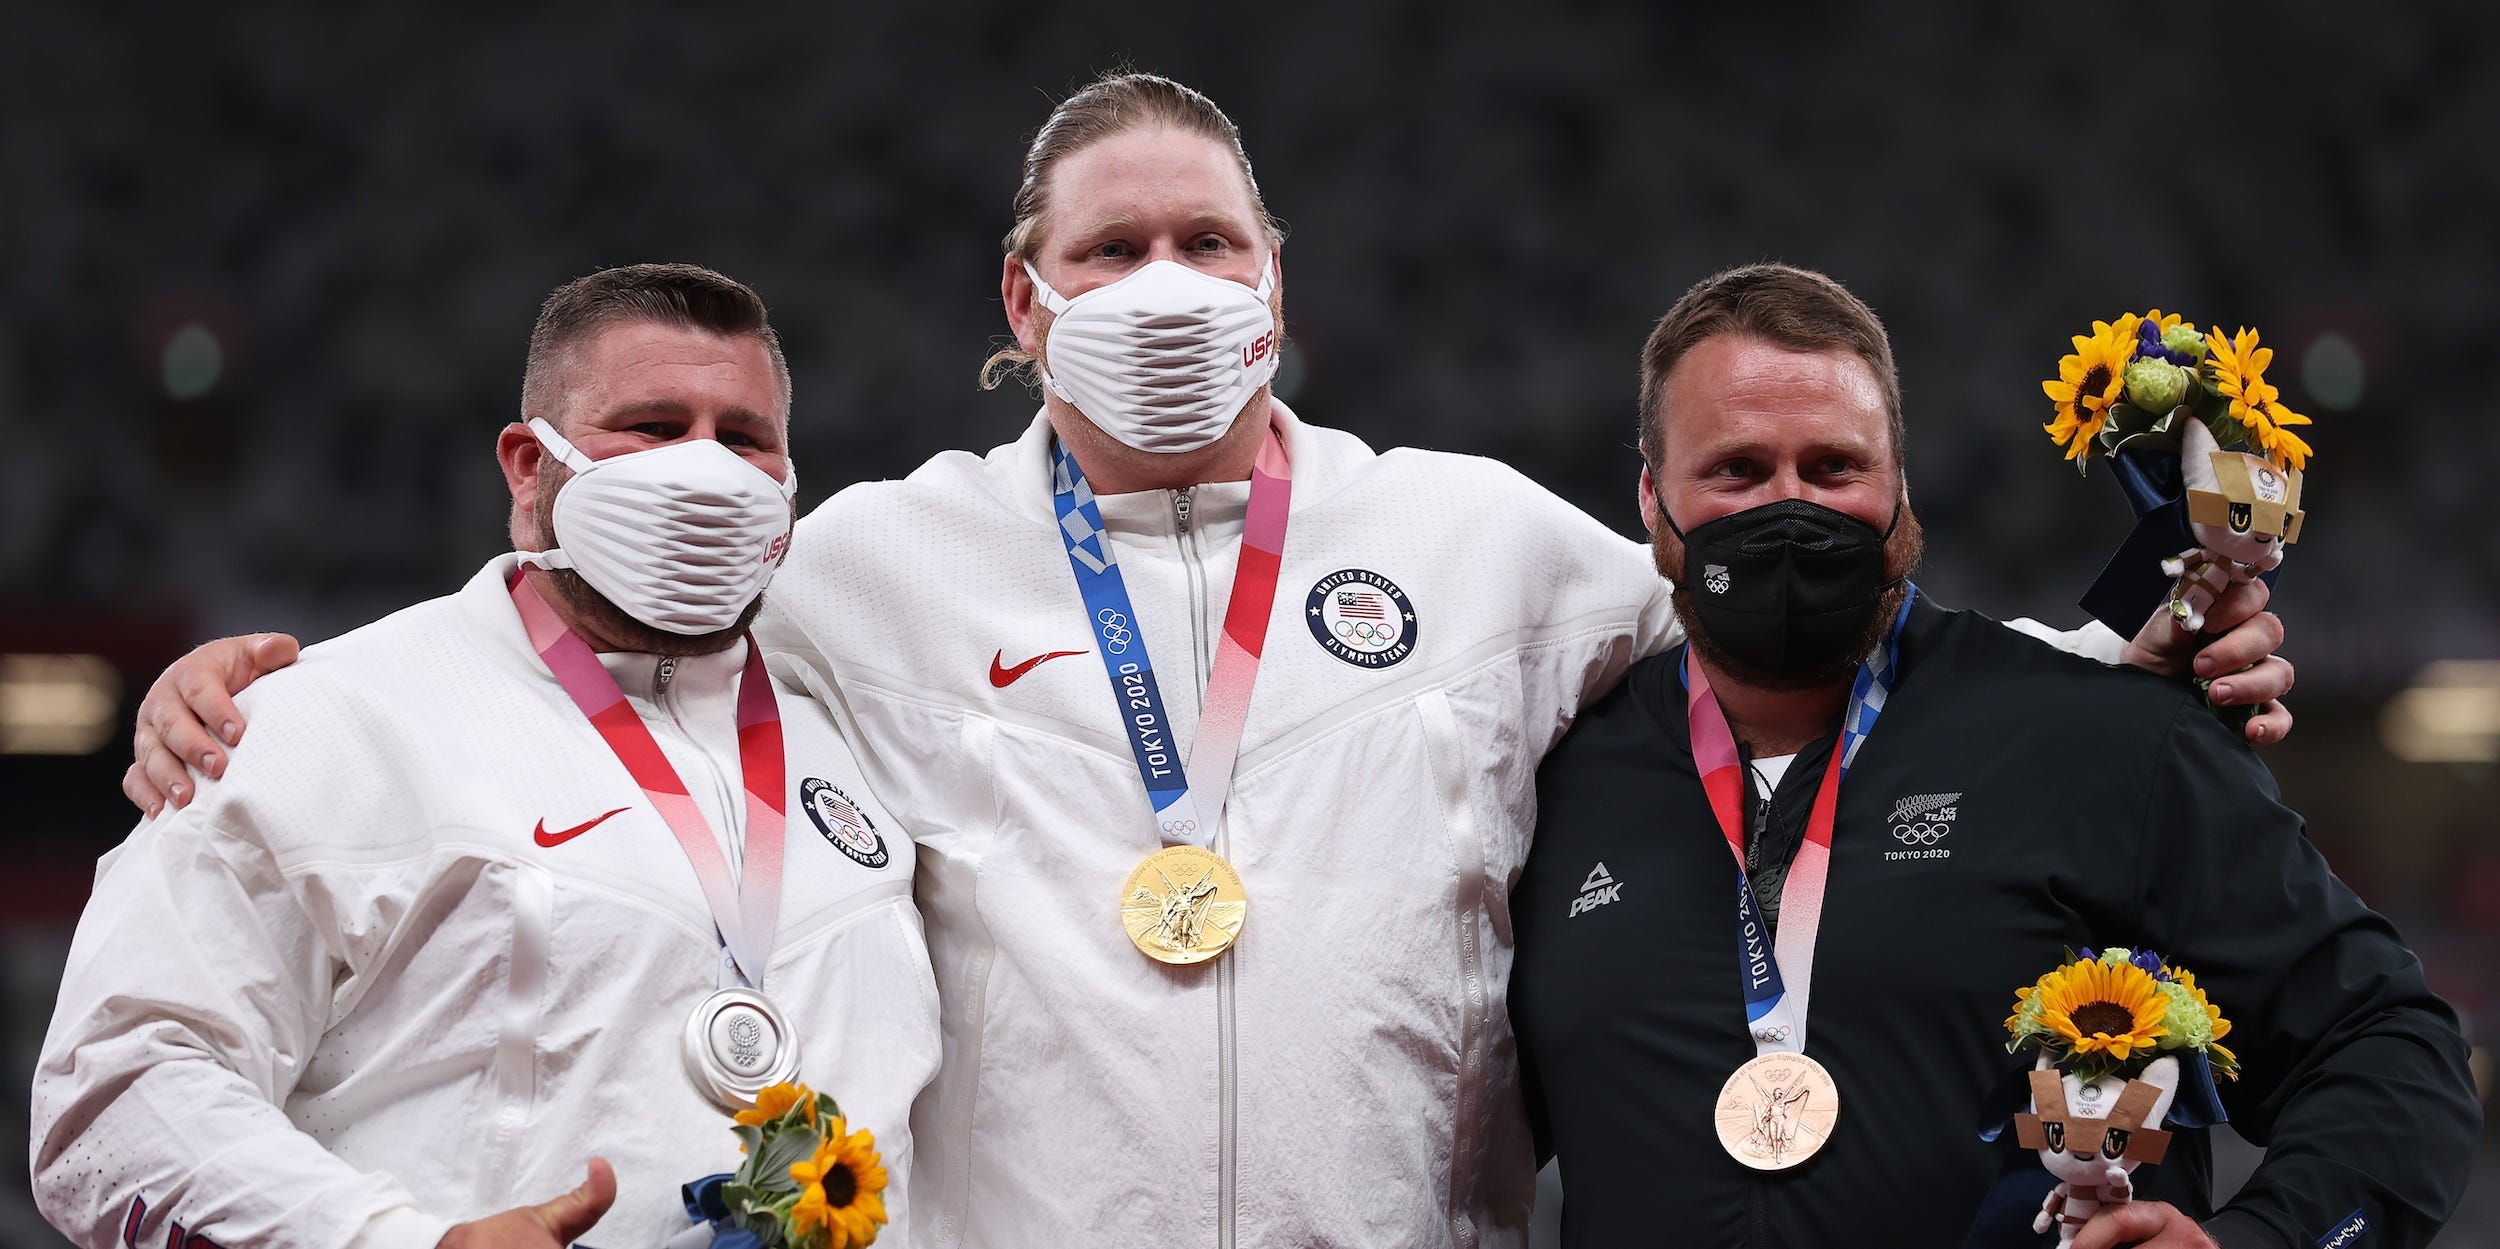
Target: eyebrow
1196,221
734,414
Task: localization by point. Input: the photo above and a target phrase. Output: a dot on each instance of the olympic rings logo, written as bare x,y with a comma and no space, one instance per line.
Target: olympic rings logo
1115,631
1365,631
1776,1033
1180,826
1922,833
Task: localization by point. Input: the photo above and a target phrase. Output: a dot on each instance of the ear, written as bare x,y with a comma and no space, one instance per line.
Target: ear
1649,502
2163,1074
1015,290
524,463
2196,456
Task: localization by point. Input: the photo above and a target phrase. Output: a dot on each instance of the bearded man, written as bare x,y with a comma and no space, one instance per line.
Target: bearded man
2002,802
545,868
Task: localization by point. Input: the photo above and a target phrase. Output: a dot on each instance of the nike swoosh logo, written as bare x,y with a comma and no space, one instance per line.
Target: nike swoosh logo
552,840
1004,677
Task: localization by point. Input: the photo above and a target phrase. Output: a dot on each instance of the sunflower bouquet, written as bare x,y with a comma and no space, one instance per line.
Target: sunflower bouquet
807,1182
2114,1011
2136,378
2204,449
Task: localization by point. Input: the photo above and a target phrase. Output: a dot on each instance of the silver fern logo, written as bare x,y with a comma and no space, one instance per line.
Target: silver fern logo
1920,821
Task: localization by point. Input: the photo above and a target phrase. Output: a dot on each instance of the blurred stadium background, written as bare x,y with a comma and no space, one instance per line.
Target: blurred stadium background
269,272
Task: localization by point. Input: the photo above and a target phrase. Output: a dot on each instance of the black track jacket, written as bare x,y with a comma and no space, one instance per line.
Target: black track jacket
2059,803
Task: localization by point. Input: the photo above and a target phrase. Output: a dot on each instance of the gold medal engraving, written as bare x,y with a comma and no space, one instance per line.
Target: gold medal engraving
1183,905
1776,1111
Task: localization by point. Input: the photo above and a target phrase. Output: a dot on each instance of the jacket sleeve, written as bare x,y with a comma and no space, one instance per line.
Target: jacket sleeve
2354,1073
197,989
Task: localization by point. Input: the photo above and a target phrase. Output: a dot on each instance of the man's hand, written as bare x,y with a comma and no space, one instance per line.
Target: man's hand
2152,1224
550,1225
2238,647
193,694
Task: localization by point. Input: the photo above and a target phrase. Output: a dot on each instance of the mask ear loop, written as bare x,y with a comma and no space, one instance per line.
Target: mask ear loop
571,457
1058,305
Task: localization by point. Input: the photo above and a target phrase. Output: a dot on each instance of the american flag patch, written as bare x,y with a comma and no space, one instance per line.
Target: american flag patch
841,809
1361,605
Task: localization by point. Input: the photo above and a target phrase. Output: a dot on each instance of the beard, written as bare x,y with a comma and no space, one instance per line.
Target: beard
1902,552
593,613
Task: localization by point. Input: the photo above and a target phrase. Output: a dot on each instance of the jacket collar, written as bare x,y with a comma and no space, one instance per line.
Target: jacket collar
1321,459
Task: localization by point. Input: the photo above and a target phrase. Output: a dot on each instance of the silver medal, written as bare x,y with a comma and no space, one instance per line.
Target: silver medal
738,1044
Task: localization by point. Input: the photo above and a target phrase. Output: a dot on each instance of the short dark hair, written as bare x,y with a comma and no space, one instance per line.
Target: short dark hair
687,296
1799,309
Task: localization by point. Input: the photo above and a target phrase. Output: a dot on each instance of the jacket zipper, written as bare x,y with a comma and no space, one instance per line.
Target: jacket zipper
730,802
1227,1079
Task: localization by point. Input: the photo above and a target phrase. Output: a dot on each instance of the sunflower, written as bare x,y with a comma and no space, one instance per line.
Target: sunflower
839,1190
2088,381
2239,366
776,1101
2223,1059
2103,1008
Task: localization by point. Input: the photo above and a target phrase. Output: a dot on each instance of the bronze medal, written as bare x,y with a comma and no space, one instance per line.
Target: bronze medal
1183,905
1776,1111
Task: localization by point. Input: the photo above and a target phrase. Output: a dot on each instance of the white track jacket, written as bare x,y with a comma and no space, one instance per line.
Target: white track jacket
1344,1075
349,996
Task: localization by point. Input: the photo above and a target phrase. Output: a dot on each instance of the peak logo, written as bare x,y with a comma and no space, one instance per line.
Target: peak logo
1596,890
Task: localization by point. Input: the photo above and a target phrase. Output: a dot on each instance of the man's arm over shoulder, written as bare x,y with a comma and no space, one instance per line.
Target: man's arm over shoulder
2354,1072
198,987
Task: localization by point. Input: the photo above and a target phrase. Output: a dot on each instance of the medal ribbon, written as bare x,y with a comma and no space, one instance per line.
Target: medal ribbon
1779,983
1120,639
746,912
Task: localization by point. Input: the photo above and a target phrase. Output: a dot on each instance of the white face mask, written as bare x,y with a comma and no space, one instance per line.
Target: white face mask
1164,358
680,537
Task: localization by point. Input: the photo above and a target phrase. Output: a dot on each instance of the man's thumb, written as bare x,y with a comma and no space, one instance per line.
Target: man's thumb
570,1216
272,651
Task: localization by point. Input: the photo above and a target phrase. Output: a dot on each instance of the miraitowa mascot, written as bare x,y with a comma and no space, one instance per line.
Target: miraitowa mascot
2091,1135
2128,1051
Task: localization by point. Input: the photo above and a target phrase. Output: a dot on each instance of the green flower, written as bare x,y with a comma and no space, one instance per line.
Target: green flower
2184,1018
2117,955
2156,386
2185,340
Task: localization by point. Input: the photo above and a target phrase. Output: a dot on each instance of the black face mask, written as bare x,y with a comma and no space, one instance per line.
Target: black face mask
1787,587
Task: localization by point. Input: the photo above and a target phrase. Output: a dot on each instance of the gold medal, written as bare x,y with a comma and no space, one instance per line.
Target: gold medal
1776,1111
1183,905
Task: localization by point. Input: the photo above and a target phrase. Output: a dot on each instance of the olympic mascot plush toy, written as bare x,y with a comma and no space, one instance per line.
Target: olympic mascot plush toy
2243,512
2128,1051
2091,1134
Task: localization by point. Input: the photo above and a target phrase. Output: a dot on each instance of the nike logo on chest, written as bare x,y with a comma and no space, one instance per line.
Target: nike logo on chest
552,840
1002,677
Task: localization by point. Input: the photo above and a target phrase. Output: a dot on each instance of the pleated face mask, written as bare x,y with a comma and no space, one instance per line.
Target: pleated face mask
680,537
1162,359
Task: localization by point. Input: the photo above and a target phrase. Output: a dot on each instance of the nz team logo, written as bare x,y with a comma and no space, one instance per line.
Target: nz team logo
843,823
1362,618
1714,577
1920,822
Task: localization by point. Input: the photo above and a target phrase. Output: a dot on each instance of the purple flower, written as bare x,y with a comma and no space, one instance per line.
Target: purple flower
2148,346
2151,963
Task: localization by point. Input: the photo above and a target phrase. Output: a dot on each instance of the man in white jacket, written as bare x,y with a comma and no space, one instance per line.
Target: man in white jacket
1421,627
436,939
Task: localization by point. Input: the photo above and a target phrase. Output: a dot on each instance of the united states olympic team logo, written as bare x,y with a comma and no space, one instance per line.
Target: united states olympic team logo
843,823
1362,618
